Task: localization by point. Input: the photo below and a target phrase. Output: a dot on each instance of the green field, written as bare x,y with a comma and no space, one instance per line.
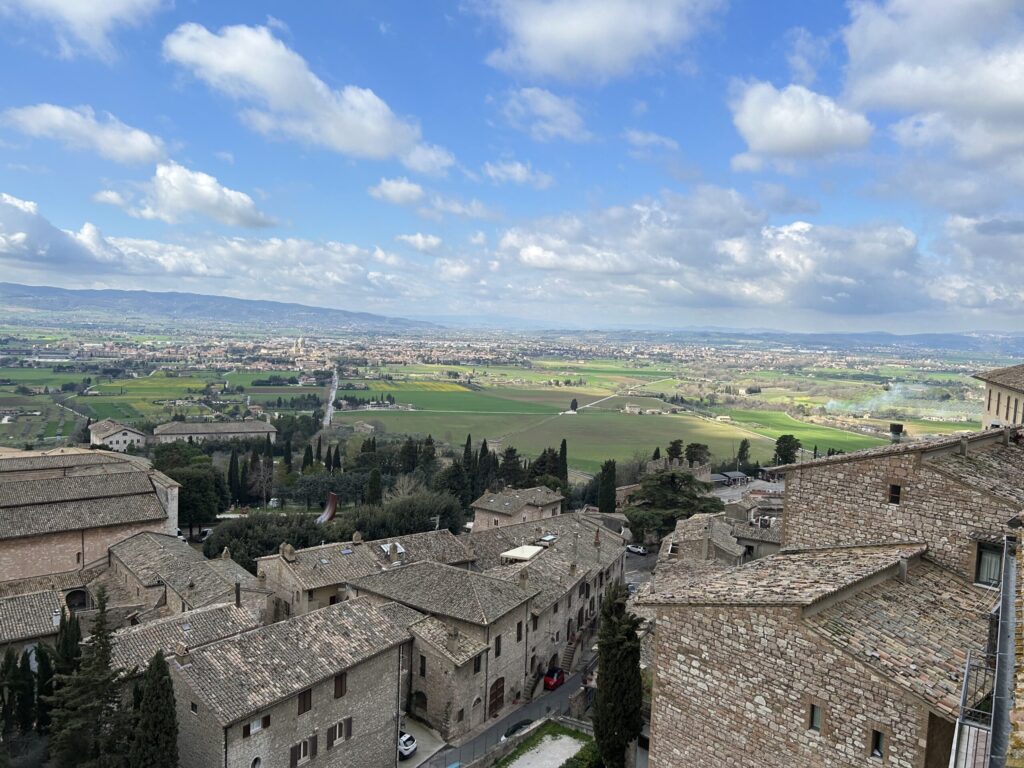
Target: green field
772,424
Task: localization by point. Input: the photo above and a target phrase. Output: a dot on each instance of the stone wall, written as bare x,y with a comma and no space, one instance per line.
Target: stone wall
847,503
735,687
1002,406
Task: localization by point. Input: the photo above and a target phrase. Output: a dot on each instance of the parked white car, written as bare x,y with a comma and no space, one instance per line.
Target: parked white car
406,745
636,549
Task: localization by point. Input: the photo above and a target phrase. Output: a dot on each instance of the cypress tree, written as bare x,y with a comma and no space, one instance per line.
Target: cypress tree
268,449
329,460
9,683
155,743
467,453
606,489
67,649
25,695
563,462
374,493
657,453
233,476
617,715
319,455
337,458
44,687
307,458
243,483
288,455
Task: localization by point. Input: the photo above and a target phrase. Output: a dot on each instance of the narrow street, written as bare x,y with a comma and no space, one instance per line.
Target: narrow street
329,411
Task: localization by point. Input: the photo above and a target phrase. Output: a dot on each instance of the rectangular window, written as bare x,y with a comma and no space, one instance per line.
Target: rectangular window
877,744
302,752
1016,406
497,646
814,718
990,560
460,716
558,636
535,620
341,731
1007,407
989,406
477,664
495,522
519,631
340,684
305,701
895,492
194,708
999,402
555,608
346,728
423,665
255,726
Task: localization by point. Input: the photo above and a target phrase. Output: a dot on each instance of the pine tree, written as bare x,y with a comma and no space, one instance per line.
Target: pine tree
563,462
329,460
68,652
44,687
243,483
25,695
743,452
428,456
617,708
233,476
319,455
374,493
155,742
268,449
606,489
288,456
307,458
408,454
573,405
88,725
337,459
657,453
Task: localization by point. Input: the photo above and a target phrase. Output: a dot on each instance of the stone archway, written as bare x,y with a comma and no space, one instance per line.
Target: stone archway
77,599
477,714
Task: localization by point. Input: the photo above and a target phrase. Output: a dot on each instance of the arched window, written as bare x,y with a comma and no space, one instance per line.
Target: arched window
256,763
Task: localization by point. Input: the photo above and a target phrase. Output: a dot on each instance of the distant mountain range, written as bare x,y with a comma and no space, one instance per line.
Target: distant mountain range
126,310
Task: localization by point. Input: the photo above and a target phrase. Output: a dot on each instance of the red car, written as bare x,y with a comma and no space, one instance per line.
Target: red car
553,679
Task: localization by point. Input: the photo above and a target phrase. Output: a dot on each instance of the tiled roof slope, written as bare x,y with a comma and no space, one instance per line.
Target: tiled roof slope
104,429
446,591
457,649
489,544
993,468
511,501
255,426
63,581
23,617
135,646
1011,377
40,519
915,633
245,674
788,578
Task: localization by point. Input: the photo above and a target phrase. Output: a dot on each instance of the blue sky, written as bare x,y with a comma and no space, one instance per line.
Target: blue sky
644,163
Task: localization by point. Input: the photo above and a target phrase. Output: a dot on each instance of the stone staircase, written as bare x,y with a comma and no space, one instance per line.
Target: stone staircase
534,685
569,654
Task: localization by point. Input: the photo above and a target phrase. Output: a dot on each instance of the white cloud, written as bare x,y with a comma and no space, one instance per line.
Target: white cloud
81,26
478,239
471,209
225,157
584,40
175,191
544,116
399,191
806,52
452,269
421,242
645,140
251,65
25,206
79,128
515,172
793,123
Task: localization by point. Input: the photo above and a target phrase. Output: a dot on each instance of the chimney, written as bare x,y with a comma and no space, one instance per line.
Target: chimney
572,568
524,577
181,654
55,618
225,554
262,578
453,639
597,538
287,552
238,594
963,446
1006,436
901,574
357,539
393,556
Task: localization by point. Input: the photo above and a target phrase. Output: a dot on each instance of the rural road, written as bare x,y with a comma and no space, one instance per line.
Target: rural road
329,414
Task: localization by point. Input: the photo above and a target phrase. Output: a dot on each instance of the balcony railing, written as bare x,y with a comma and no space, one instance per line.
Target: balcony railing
974,726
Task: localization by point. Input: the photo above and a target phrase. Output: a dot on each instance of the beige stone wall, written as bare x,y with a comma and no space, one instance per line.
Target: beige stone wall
1002,406
847,503
483,519
200,738
734,688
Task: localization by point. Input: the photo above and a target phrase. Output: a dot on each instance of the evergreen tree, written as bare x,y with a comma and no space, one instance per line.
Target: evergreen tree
233,477
25,695
787,447
511,472
453,480
675,450
307,458
408,455
617,707
88,726
319,456
67,650
657,453
243,483
44,687
9,684
697,453
573,405
374,493
743,453
467,453
337,459
563,462
485,469
606,489
428,455
288,455
329,460
155,742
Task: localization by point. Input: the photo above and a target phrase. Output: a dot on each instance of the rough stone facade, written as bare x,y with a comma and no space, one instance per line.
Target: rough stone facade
736,685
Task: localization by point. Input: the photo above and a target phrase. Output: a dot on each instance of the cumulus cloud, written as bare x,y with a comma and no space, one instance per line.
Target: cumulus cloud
79,128
175,191
285,99
399,191
544,116
581,40
515,172
421,242
792,123
453,269
471,209
83,27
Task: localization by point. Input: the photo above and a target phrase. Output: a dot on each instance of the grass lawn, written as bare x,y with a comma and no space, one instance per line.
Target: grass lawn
772,424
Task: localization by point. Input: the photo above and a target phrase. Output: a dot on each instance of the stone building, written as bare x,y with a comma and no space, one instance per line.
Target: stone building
61,510
306,579
322,687
114,436
199,431
484,666
29,619
835,657
1004,396
514,506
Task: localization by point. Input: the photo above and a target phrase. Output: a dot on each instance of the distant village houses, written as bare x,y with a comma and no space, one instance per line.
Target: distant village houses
200,431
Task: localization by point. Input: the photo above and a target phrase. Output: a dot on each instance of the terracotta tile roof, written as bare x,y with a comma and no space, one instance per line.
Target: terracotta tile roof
104,429
247,673
994,468
34,460
254,427
36,520
751,530
488,544
512,501
894,449
914,633
135,646
1011,377
61,582
788,578
457,648
443,590
399,614
24,617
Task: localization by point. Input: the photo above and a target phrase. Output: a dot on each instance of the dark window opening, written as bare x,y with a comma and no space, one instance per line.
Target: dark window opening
814,718
877,744
895,493
305,701
989,564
